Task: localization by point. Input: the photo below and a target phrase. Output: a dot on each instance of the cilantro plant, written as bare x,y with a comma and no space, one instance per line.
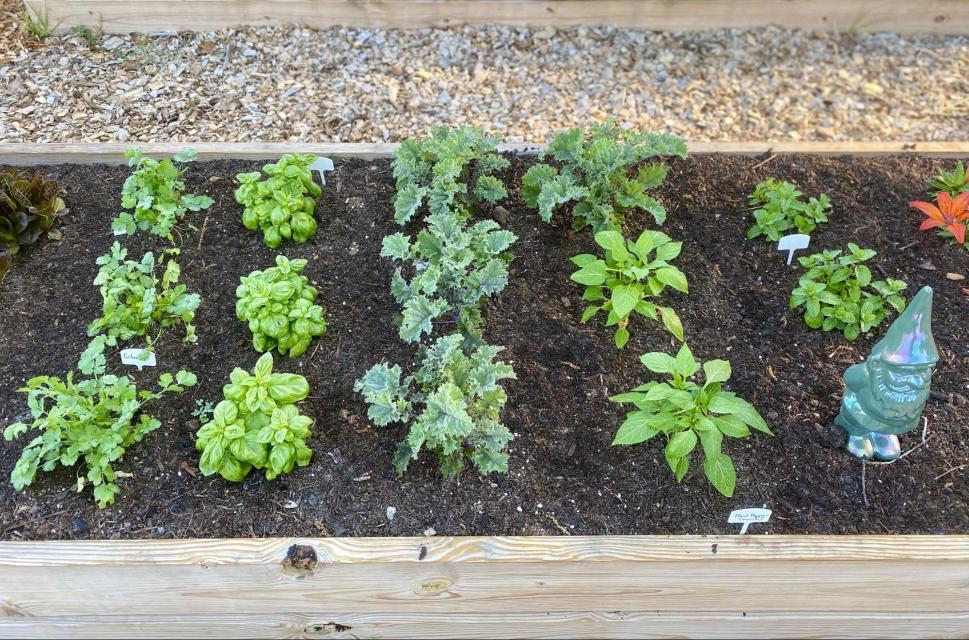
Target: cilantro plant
687,412
837,292
136,302
603,170
452,171
452,269
630,274
91,420
283,204
452,404
278,306
156,194
28,209
258,425
952,182
780,210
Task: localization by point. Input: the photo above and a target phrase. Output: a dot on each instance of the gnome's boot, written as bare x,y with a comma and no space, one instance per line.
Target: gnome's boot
885,446
860,447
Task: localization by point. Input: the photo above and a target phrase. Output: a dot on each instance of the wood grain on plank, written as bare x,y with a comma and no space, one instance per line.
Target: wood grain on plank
576,625
122,16
112,153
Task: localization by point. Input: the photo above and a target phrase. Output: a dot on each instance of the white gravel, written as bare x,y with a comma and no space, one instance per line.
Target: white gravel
366,85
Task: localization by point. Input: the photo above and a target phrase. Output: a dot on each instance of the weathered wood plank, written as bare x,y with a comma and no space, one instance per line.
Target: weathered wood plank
112,153
778,574
618,625
908,16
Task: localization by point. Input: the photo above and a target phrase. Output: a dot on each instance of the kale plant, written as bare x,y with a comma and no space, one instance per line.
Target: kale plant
157,195
91,420
838,292
451,171
686,412
779,210
283,204
602,169
453,269
952,182
28,208
452,404
136,302
630,274
278,306
258,425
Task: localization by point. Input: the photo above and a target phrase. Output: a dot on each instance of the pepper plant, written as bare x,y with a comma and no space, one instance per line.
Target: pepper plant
688,413
452,268
779,210
283,204
28,209
278,306
630,274
136,302
452,170
452,404
952,182
156,194
837,292
257,426
91,421
603,170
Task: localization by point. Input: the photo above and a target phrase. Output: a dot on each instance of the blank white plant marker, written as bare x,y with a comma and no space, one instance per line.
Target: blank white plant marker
792,243
321,165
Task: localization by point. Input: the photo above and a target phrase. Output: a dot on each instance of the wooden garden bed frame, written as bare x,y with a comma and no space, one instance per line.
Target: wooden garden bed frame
149,16
484,587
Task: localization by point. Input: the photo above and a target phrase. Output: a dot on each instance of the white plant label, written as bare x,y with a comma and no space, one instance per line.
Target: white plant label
120,232
138,357
321,165
792,243
746,517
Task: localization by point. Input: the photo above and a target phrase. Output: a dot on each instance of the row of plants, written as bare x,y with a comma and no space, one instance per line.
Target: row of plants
452,259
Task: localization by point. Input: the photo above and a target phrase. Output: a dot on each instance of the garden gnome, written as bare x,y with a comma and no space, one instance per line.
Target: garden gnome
885,395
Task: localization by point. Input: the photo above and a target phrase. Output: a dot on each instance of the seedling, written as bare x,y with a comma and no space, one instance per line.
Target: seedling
630,274
838,292
687,413
603,170
780,210
452,404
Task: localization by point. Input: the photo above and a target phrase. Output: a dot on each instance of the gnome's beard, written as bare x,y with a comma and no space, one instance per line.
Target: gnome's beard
899,400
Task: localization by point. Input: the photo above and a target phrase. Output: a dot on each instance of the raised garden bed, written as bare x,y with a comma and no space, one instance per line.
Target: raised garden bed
564,477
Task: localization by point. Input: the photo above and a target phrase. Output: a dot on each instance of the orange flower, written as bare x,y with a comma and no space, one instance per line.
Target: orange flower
951,214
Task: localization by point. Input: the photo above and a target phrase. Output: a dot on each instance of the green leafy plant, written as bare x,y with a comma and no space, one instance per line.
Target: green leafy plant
37,24
278,306
92,421
779,210
283,204
630,274
452,404
156,194
687,413
952,182
258,425
452,170
28,208
453,269
136,302
837,292
602,170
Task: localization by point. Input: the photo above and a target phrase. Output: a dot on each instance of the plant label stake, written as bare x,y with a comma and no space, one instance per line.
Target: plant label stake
138,357
746,517
321,165
792,243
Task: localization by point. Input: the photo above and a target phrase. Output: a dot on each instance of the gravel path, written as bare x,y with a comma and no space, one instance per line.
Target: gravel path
364,85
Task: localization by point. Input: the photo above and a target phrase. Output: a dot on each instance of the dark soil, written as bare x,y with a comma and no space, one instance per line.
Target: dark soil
564,476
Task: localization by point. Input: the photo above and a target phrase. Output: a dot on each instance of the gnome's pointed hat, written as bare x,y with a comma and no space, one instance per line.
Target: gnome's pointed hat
909,340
